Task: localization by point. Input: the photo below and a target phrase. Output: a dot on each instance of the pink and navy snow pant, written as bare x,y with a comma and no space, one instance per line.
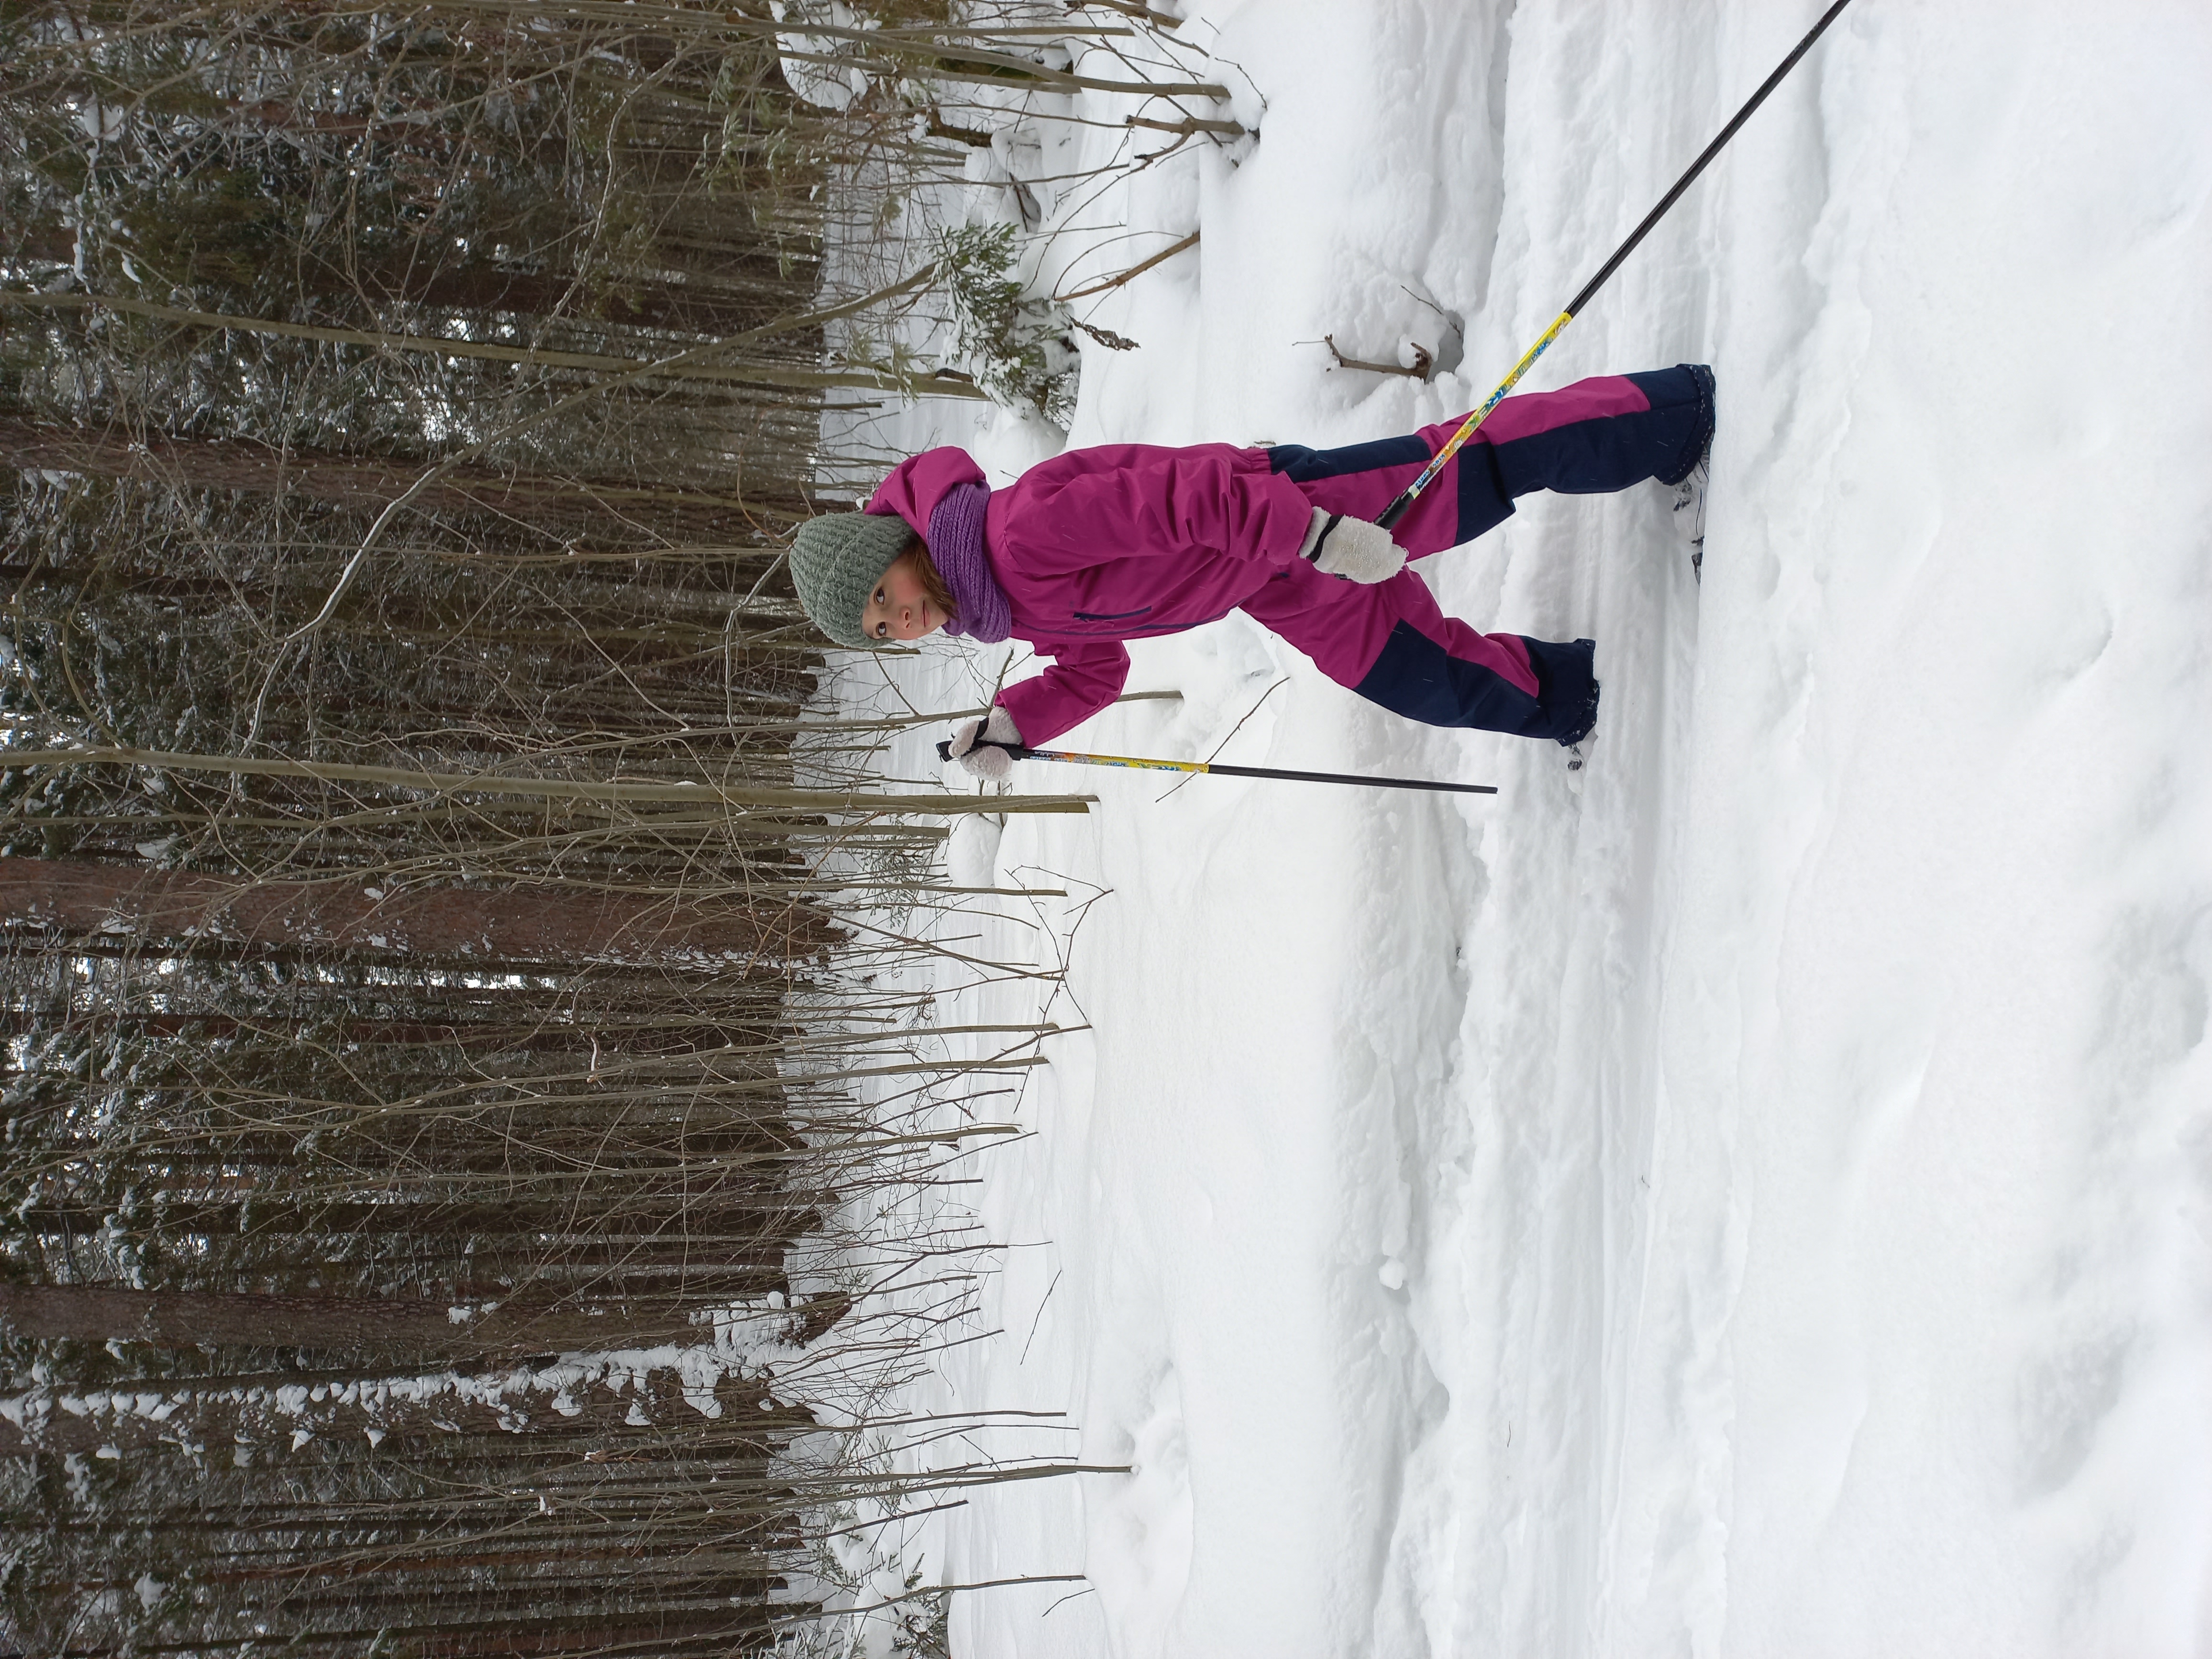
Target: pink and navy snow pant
1390,642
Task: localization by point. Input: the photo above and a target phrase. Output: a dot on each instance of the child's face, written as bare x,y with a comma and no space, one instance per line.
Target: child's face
900,608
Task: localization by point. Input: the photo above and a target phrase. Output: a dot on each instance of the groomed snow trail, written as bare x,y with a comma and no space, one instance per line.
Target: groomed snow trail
1758,1204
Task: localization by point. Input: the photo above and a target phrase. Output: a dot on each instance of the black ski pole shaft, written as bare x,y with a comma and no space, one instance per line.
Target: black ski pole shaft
1018,753
1399,509
1751,104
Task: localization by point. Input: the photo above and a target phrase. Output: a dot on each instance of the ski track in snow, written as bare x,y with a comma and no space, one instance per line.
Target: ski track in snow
1757,1204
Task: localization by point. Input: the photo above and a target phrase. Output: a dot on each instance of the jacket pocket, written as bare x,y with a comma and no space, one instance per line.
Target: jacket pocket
1111,616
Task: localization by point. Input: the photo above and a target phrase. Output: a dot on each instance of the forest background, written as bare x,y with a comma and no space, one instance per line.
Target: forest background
443,933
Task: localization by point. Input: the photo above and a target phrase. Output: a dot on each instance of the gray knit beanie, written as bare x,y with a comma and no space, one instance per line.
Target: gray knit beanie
836,561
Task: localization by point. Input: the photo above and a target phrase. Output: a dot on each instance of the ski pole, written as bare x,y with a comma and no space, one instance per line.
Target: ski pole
1018,753
1399,509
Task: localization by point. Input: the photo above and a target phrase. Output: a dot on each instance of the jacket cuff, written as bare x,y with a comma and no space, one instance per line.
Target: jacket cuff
1314,531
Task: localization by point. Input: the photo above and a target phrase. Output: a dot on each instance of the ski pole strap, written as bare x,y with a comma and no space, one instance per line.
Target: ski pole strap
1014,751
1399,509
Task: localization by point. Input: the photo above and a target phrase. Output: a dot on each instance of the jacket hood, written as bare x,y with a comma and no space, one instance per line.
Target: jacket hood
915,487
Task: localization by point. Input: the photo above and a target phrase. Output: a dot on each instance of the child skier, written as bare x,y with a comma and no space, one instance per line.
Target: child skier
1120,542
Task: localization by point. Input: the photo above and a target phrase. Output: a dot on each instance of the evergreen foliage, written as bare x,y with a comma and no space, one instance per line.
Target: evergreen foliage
1017,346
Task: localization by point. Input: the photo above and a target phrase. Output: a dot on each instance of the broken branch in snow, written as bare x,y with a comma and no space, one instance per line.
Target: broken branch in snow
1423,360
1190,126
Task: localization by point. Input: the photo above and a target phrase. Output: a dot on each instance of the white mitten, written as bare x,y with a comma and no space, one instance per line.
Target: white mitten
1351,548
985,761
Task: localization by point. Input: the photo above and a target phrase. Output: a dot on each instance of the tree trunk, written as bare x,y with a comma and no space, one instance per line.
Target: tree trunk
364,481
507,926
368,1326
709,313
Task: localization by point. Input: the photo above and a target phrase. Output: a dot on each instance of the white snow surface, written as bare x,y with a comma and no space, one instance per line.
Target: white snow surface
1751,1198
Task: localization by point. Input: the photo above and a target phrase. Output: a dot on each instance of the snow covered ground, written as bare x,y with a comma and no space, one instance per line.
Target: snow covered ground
1758,1204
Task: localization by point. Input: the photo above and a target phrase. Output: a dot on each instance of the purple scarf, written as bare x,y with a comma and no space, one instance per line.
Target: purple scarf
955,548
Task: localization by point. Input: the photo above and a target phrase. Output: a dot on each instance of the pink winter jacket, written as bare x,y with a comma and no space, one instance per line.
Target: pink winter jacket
1101,545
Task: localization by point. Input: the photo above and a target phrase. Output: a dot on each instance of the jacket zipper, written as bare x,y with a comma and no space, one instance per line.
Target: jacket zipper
1155,628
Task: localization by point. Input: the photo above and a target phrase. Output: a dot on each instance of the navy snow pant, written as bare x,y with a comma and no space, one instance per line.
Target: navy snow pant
1390,642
